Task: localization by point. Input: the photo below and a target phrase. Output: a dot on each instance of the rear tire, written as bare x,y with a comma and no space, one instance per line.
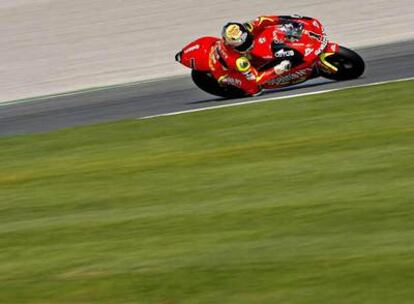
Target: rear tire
209,84
349,64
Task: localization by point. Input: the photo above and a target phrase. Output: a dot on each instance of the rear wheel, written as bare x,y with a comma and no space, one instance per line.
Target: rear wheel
348,63
209,84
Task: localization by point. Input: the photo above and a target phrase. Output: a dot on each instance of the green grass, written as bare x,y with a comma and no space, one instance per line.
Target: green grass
307,200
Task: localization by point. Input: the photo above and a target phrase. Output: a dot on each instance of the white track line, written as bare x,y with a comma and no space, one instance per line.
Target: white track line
273,98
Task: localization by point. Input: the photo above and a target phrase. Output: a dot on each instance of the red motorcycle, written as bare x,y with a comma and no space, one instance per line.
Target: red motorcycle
307,37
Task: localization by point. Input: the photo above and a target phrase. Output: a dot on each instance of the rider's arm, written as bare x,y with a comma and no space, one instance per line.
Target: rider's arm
260,23
284,68
307,63
274,72
243,65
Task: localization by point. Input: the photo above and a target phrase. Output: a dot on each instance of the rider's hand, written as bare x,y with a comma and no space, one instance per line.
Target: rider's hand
223,81
283,67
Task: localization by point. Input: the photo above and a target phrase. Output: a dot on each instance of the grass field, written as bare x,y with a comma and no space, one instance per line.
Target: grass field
307,200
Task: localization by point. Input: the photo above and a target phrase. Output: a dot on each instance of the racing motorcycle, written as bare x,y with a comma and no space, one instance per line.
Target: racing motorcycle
332,61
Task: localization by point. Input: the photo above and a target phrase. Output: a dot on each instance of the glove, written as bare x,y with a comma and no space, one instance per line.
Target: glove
222,81
282,67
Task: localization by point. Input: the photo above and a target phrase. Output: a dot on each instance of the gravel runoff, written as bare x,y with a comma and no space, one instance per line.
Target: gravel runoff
53,46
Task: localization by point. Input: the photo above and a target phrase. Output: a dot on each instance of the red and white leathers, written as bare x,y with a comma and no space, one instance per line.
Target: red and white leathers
233,67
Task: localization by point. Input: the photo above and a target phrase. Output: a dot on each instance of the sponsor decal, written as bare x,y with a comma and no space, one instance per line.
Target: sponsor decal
323,45
249,76
308,51
212,60
315,24
276,39
284,53
223,52
193,63
333,48
263,19
291,77
262,40
233,81
213,56
314,35
191,49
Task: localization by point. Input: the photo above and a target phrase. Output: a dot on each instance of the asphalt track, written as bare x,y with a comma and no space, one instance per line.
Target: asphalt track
387,62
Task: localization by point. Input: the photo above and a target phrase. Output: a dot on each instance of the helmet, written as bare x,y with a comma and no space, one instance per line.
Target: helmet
235,34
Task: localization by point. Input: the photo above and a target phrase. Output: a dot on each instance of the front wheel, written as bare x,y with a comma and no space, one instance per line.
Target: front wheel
348,65
209,84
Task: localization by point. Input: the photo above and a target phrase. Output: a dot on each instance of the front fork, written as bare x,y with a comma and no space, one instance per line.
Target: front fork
323,64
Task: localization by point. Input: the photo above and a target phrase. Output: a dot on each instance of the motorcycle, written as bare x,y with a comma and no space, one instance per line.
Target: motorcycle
307,36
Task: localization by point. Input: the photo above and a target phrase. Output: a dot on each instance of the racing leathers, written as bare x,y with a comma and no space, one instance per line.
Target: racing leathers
233,66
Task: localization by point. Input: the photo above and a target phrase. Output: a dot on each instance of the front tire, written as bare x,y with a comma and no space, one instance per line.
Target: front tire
349,64
209,84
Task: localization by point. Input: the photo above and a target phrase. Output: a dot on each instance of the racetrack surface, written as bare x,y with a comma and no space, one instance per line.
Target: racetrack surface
387,62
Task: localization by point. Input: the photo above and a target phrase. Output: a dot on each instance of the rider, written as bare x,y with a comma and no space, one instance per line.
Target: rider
230,60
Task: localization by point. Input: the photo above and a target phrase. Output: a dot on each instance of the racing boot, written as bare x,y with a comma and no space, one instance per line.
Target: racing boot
282,67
